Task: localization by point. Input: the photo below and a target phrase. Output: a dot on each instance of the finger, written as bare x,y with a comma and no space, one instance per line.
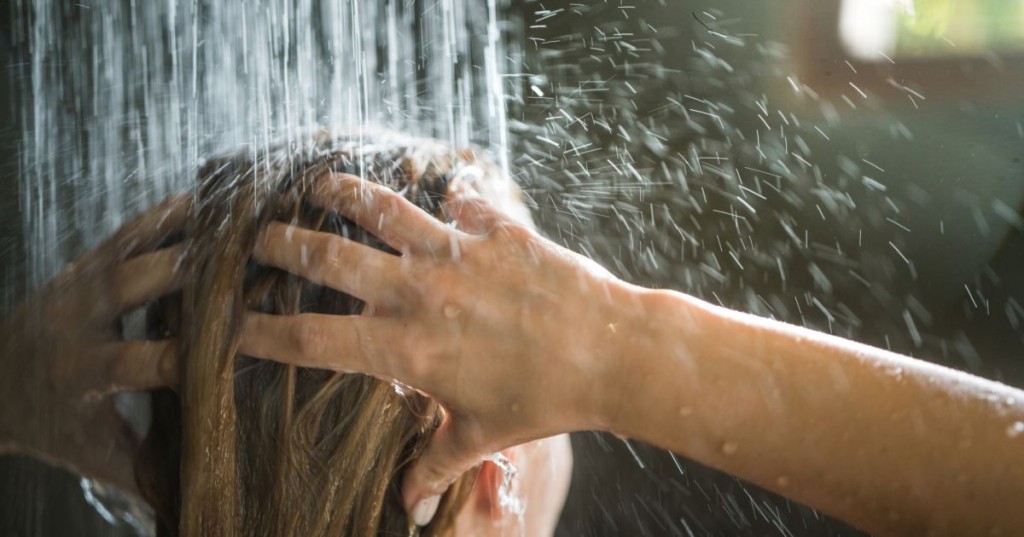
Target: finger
145,231
140,365
327,259
108,450
447,456
474,214
383,212
146,278
339,343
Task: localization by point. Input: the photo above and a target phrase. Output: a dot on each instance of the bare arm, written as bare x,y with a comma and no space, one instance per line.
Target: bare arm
522,339
894,445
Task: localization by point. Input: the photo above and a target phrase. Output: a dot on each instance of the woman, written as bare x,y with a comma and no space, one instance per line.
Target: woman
250,447
522,339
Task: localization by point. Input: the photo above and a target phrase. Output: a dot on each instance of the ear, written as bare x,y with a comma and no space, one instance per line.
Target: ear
485,491
484,498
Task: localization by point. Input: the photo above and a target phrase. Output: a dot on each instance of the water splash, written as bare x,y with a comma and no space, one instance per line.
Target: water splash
508,491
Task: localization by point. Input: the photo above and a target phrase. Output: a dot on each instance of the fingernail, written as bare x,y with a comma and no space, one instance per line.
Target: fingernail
424,511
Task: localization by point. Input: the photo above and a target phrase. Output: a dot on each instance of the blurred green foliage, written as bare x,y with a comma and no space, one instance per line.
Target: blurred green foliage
959,27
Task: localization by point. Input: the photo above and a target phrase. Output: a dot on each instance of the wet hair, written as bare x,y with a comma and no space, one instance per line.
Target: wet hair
254,447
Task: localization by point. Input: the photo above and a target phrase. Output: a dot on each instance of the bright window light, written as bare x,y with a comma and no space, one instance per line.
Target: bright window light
879,30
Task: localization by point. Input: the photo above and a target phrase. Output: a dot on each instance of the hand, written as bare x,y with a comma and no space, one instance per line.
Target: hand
63,355
513,334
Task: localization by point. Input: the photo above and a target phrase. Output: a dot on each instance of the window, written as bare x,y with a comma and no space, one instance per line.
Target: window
911,49
879,30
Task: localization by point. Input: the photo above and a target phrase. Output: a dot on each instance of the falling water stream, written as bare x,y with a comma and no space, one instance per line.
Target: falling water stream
128,97
676,147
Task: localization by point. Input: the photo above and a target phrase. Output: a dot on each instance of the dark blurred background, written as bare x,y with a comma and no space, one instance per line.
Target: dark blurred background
860,172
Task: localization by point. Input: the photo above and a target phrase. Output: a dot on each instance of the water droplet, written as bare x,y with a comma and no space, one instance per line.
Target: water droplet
401,389
1015,430
685,411
729,447
782,481
451,311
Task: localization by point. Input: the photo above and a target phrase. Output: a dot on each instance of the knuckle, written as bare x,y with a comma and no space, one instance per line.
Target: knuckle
322,254
309,338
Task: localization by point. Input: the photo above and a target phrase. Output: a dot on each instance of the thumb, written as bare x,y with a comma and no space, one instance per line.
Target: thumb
447,456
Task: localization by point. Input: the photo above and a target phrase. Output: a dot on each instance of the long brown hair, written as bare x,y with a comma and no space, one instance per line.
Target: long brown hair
251,447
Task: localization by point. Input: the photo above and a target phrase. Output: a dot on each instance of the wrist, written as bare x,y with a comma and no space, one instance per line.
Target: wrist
658,374
653,333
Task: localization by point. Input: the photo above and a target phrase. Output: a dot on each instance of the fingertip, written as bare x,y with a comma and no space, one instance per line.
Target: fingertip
444,460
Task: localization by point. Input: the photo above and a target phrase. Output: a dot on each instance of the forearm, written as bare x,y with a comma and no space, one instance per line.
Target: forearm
891,444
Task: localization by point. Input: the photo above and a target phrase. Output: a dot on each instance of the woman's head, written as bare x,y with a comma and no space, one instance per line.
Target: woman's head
253,447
